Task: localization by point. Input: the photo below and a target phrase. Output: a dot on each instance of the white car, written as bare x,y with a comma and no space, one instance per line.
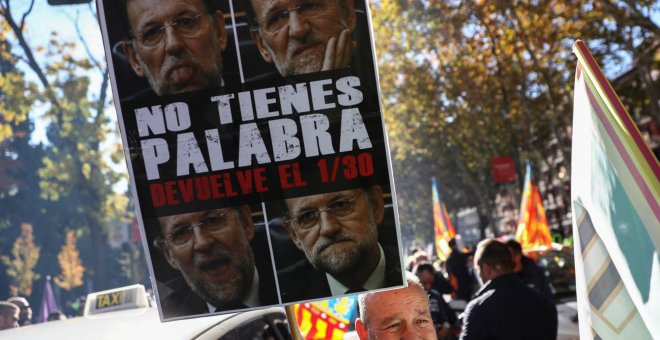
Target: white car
127,313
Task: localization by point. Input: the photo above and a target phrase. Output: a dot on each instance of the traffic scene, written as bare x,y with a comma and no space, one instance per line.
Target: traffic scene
329,169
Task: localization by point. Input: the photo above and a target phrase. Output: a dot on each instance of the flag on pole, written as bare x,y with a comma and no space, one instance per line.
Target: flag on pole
444,230
48,303
615,194
533,231
327,319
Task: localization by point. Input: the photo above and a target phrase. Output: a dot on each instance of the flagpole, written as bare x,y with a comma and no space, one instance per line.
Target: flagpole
293,323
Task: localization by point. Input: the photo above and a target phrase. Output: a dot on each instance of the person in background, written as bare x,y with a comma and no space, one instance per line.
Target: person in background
418,256
457,268
24,306
504,308
529,272
444,317
402,313
9,315
440,283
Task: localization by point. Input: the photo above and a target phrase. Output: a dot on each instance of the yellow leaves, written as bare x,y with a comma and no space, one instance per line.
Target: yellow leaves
86,170
15,100
116,208
56,175
117,154
70,263
24,257
5,132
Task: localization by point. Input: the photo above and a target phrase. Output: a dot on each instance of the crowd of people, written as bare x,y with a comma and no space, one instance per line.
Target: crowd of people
16,312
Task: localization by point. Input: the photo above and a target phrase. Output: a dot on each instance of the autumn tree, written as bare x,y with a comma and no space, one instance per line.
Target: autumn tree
75,171
72,268
20,266
465,81
16,99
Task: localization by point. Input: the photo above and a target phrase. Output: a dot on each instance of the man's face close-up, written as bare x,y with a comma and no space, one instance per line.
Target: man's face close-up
211,250
337,231
293,34
398,314
177,45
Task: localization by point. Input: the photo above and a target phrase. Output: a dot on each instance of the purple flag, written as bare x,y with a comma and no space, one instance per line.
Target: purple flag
48,303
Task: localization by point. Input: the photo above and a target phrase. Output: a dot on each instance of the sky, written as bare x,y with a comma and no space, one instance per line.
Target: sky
63,20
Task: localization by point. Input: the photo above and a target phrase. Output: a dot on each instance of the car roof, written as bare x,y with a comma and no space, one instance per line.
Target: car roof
138,322
142,323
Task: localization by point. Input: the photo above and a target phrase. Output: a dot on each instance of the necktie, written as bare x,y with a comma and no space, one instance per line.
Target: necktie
230,307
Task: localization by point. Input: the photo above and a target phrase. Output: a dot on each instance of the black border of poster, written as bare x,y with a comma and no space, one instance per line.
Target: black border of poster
252,143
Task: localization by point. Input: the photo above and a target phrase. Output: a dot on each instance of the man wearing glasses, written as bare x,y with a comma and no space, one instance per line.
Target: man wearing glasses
176,45
338,232
304,36
211,249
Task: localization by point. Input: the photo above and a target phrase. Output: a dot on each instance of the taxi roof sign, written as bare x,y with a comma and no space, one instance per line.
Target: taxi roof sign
128,297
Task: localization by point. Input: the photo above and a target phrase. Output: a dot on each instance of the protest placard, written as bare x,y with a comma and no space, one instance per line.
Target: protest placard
256,149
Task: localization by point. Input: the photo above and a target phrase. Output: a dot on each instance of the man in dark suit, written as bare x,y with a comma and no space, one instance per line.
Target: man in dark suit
528,271
211,249
457,268
442,314
338,232
504,308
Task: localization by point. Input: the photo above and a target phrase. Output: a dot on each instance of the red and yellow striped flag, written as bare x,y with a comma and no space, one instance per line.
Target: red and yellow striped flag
326,319
444,230
533,231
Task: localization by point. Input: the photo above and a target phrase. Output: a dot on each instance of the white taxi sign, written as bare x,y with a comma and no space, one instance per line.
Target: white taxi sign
128,297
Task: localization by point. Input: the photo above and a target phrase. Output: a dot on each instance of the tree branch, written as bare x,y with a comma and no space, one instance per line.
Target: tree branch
100,104
548,82
26,14
31,61
632,16
85,45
